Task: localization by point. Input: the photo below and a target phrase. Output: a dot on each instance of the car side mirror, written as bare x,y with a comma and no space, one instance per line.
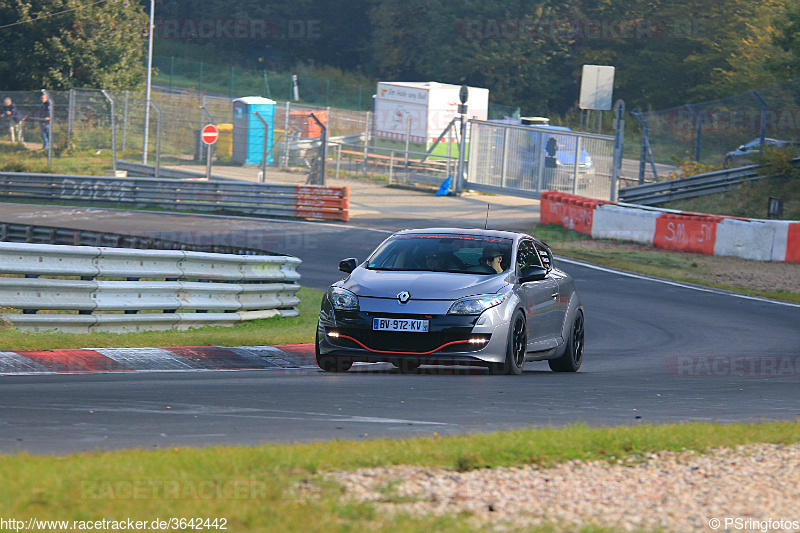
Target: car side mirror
348,265
533,273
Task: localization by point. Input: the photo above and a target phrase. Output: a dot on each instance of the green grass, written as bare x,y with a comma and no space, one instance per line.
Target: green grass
275,330
17,158
93,486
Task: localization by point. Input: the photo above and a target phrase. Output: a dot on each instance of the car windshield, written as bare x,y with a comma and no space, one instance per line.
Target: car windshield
465,254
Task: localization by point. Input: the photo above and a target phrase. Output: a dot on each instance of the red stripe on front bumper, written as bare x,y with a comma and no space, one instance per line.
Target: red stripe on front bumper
402,353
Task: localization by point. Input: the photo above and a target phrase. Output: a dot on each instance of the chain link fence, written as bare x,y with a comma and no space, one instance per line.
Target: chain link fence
706,132
526,160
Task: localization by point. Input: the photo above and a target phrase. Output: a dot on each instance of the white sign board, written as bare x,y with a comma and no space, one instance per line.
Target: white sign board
597,87
424,109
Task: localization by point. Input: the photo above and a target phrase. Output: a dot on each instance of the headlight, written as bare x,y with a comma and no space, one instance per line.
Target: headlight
475,305
343,299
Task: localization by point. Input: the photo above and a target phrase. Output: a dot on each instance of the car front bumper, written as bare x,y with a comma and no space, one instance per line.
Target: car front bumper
450,339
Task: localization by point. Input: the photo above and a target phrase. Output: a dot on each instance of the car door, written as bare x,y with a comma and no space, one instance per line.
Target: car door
563,289
540,299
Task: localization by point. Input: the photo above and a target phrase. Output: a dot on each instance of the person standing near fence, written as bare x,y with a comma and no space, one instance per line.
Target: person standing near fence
42,115
14,118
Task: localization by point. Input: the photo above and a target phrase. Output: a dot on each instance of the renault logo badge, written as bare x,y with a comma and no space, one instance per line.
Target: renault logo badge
403,297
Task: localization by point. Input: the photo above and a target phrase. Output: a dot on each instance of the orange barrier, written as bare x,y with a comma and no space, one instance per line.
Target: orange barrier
320,202
686,232
793,243
568,210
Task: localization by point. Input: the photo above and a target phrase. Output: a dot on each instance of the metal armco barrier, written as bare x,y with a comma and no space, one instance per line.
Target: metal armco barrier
29,233
224,197
121,290
691,186
764,240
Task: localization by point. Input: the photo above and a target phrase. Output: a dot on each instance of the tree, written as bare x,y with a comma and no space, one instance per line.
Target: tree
60,44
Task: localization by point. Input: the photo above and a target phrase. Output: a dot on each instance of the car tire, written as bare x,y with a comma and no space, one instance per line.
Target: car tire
515,348
406,366
329,363
728,163
572,358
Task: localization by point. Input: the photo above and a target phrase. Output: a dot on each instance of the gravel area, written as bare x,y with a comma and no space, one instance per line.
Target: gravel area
666,491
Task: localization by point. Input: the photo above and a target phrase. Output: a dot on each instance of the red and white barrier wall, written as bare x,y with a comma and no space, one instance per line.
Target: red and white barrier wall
764,240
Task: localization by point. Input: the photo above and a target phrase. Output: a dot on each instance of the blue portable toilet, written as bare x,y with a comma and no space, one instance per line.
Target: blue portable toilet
248,131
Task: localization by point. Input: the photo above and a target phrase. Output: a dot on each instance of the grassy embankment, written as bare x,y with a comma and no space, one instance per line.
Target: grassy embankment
256,488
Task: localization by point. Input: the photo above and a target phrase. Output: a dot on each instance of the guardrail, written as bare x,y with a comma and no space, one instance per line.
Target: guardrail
691,186
30,233
86,288
140,169
224,197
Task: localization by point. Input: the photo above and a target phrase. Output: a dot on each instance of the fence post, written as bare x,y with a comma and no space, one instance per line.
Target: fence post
698,131
286,136
125,122
619,139
763,130
71,114
576,165
646,153
113,132
263,148
158,137
208,147
366,141
338,159
323,149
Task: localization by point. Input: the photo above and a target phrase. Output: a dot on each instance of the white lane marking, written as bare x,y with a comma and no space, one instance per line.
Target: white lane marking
677,283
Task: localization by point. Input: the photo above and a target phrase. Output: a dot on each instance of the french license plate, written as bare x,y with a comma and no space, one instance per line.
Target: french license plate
400,324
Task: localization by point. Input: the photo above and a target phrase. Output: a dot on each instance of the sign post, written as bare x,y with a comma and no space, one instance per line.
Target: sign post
209,135
463,96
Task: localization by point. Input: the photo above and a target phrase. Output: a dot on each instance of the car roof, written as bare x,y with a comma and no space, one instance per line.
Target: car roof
466,231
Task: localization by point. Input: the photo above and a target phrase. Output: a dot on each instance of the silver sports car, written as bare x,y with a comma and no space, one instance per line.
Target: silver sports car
453,297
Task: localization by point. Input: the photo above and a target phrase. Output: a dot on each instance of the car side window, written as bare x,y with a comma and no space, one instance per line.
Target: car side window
545,255
527,255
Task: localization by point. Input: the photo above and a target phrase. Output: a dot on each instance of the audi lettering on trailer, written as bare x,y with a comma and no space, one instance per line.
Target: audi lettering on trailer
445,296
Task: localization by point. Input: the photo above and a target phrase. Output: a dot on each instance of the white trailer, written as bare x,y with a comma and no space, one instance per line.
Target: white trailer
422,110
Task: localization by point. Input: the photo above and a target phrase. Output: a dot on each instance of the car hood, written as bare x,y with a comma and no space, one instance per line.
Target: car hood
422,285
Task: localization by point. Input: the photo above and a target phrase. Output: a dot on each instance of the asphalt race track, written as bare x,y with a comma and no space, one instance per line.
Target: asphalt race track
655,352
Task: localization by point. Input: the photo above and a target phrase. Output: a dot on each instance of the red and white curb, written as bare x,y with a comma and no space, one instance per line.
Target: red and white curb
168,359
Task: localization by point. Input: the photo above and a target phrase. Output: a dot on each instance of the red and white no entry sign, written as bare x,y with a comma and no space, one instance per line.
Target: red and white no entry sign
210,134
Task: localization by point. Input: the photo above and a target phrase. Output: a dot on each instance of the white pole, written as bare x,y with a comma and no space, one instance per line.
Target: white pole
149,80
